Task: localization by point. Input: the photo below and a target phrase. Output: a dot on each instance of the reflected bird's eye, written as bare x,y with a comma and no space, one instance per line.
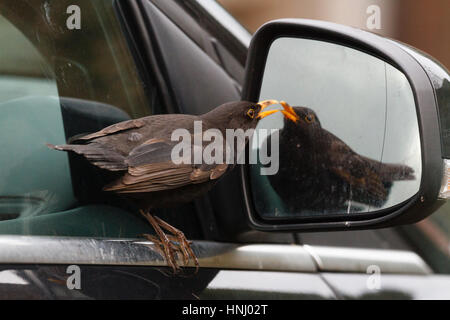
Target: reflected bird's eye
309,118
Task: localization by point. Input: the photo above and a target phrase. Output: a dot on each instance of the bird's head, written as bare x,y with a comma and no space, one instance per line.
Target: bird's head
241,114
253,112
305,119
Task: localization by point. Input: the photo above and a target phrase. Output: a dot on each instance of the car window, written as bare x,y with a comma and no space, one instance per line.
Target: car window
64,70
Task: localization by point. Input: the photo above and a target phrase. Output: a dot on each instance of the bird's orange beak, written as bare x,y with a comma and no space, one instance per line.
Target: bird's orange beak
289,112
264,104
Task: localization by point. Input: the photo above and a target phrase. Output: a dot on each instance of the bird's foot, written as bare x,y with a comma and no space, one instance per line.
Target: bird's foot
170,245
163,242
183,244
159,244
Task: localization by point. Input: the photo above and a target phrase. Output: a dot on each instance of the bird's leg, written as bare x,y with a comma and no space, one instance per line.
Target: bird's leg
164,241
184,244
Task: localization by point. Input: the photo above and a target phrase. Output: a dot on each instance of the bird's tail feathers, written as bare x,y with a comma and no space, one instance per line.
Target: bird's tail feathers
98,155
395,172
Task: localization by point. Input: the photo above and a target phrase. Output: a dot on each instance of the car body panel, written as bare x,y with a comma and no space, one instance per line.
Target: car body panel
227,271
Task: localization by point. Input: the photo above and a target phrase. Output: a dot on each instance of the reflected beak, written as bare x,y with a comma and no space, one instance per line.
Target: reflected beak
264,104
289,112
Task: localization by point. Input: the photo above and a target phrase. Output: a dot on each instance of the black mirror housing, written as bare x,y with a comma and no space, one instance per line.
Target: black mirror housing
417,207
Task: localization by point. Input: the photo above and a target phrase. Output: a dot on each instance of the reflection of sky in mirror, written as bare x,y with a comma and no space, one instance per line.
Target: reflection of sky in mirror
361,99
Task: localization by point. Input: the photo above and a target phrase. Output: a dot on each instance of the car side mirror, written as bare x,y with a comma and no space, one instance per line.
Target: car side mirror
362,138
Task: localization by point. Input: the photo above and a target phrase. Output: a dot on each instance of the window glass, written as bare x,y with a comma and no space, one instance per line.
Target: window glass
56,82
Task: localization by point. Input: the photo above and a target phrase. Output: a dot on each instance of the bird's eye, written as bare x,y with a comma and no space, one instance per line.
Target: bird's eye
251,113
309,118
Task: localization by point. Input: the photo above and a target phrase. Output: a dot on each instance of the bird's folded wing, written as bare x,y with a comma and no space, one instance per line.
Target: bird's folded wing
357,172
121,126
151,168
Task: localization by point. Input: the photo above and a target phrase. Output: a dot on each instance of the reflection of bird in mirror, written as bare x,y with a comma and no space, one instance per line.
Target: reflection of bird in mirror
140,152
324,171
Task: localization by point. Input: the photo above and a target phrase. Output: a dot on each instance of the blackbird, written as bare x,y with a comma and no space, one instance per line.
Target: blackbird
324,171
140,151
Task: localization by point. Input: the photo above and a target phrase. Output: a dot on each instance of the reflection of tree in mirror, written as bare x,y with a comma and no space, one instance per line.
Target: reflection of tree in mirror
321,173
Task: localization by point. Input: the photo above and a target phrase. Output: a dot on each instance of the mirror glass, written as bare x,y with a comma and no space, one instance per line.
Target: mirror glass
351,145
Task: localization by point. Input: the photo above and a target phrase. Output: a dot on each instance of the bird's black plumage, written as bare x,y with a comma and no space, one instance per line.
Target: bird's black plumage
324,171
139,151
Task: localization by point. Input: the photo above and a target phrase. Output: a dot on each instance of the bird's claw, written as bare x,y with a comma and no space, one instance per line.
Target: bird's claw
183,243
167,250
170,245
